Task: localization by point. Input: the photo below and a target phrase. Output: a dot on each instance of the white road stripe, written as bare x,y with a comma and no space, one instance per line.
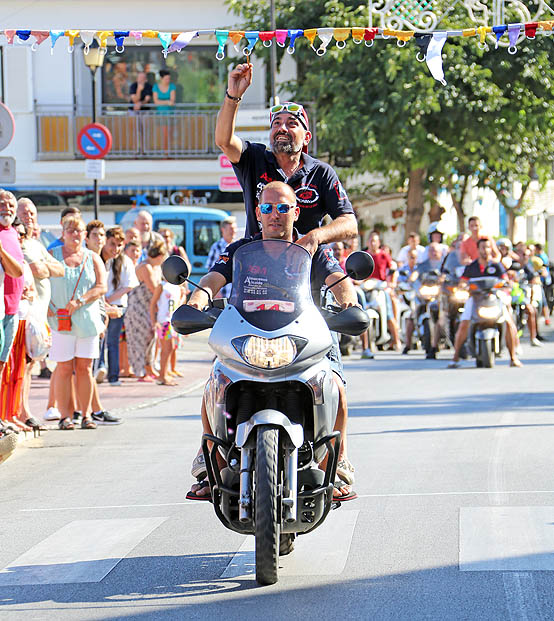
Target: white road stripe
161,504
81,551
321,553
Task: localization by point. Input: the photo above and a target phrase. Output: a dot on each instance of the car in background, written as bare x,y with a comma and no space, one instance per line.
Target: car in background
195,229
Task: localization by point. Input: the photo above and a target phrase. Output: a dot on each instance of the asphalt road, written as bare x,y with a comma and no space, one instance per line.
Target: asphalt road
455,516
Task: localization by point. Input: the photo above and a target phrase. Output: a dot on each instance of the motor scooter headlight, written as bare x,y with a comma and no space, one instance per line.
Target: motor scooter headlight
268,353
460,295
429,291
488,312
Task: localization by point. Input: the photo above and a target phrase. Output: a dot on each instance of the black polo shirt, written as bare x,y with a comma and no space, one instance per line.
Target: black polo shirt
324,263
476,270
318,189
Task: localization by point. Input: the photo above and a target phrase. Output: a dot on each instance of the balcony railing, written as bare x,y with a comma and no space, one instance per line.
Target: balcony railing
185,132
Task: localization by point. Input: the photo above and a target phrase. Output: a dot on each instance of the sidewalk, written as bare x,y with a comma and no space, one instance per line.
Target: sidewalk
194,360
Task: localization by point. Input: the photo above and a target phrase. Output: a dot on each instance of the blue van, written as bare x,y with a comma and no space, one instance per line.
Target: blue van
195,229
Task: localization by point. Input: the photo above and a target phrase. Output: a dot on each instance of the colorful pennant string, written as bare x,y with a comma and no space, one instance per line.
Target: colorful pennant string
430,45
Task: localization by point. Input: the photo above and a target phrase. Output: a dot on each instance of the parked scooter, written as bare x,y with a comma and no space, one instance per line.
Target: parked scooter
271,397
487,320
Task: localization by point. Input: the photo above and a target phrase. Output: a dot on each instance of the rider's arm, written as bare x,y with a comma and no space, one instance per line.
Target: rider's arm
225,138
344,291
212,282
342,227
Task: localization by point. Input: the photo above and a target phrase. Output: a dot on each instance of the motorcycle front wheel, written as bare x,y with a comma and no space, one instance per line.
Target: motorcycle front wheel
267,515
486,353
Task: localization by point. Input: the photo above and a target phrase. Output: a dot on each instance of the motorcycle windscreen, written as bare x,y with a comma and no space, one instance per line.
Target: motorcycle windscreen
271,283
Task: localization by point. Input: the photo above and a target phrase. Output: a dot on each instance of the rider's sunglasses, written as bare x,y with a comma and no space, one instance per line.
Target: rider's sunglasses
281,207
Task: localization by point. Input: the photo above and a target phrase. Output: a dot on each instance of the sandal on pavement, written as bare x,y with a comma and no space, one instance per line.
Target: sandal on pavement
66,424
198,469
342,497
453,365
88,423
166,383
345,471
516,363
194,496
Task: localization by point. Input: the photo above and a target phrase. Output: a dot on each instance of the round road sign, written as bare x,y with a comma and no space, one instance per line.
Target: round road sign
94,141
7,126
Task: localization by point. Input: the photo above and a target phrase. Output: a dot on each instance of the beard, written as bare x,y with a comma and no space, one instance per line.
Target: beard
6,220
287,146
145,237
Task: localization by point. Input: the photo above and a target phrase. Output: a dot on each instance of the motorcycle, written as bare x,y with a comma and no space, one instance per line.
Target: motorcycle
407,311
487,320
427,311
376,305
271,398
453,299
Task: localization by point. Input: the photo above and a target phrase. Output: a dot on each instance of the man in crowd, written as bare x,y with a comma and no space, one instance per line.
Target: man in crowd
42,264
140,93
228,228
413,244
485,265
143,223
383,263
11,260
468,250
280,225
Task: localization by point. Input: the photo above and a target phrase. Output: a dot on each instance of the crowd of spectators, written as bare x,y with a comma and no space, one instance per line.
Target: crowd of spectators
92,307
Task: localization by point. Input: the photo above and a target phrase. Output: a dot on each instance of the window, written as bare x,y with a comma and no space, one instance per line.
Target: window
178,227
206,233
198,76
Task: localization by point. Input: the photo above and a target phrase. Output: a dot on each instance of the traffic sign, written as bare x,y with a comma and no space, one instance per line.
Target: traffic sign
229,184
94,141
7,126
95,169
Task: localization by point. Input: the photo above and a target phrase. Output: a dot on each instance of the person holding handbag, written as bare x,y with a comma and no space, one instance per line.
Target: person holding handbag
74,317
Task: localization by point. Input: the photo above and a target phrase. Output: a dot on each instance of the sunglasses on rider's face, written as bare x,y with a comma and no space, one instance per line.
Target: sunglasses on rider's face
281,207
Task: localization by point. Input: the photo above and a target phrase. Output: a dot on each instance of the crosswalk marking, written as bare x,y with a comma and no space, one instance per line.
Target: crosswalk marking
81,551
321,553
506,539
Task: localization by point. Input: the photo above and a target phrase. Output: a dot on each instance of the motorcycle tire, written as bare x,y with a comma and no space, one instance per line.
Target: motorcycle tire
486,354
267,514
286,544
426,336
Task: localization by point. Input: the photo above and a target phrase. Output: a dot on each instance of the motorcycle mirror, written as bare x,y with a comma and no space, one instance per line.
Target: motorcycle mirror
359,265
175,270
515,266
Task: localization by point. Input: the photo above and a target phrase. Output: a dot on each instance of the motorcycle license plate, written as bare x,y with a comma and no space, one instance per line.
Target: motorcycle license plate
251,306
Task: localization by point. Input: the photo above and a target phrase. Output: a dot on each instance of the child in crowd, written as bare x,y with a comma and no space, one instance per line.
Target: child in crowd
165,300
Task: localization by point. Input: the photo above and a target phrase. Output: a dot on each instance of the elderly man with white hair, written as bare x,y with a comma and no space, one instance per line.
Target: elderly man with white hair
11,262
143,223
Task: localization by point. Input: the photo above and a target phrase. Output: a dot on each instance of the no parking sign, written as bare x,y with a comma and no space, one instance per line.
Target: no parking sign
94,141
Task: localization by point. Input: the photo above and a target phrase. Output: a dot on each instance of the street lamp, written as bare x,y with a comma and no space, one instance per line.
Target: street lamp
94,58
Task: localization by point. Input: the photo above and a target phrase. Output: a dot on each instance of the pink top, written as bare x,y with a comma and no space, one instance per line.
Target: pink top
13,287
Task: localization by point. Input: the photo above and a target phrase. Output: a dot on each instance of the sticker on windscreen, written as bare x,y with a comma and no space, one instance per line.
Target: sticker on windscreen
251,306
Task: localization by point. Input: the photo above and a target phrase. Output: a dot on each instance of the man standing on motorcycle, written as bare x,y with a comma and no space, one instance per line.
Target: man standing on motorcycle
485,266
277,214
469,250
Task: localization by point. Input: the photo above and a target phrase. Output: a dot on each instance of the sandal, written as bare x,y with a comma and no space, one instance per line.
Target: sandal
193,495
166,383
343,497
198,469
345,471
88,423
66,424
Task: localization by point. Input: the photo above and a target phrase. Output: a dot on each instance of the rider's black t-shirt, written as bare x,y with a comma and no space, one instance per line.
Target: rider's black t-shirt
318,189
476,270
324,263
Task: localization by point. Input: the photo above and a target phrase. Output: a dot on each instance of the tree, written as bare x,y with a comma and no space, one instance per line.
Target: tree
379,110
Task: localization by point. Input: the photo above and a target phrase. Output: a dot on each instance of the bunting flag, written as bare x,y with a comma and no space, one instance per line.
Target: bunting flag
429,45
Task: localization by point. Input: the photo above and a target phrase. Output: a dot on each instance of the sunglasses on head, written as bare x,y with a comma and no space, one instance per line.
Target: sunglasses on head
293,108
281,207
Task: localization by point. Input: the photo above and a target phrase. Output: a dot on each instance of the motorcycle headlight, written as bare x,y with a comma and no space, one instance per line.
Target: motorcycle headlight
460,295
429,291
268,353
488,312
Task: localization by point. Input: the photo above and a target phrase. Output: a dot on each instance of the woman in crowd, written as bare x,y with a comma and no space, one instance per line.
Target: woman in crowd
139,330
164,93
75,340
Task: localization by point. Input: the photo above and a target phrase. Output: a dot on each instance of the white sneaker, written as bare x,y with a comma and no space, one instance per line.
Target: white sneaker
536,343
101,375
52,414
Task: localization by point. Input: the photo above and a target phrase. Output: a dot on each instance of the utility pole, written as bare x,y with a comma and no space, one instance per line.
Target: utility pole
273,56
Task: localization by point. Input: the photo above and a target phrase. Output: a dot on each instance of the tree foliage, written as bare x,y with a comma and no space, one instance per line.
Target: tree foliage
379,109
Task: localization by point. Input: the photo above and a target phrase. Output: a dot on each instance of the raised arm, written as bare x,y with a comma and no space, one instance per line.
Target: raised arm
225,138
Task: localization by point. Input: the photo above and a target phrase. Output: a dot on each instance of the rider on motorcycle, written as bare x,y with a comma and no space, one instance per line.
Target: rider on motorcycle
484,266
280,225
